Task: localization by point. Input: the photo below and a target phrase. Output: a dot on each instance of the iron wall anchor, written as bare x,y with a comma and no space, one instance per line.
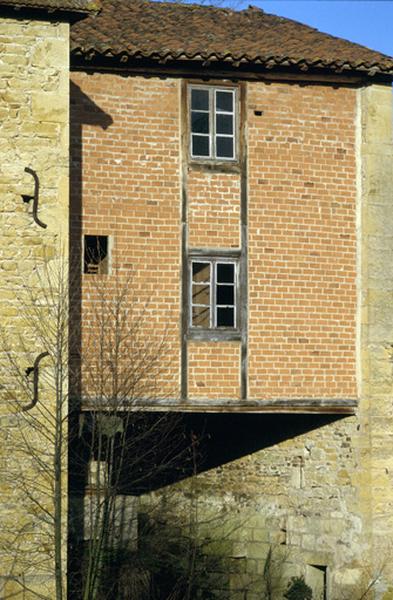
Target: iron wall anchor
27,197
34,369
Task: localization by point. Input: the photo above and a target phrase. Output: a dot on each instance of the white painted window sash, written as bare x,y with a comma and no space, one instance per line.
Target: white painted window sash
213,285
213,112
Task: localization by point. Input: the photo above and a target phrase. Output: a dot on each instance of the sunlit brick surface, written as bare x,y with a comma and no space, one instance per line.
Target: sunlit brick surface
213,209
214,369
128,129
301,224
302,241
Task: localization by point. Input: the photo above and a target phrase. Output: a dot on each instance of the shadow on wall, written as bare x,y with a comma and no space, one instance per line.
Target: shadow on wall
228,437
223,438
83,111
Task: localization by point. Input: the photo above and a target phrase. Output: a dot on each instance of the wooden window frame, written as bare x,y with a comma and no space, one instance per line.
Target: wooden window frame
212,135
214,331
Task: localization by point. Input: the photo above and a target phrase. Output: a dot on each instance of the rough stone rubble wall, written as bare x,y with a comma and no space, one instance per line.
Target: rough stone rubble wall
34,130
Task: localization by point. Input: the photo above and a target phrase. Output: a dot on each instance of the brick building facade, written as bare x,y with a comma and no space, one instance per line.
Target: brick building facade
300,302
244,188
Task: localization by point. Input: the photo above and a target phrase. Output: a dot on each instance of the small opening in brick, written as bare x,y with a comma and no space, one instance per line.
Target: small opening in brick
96,257
258,113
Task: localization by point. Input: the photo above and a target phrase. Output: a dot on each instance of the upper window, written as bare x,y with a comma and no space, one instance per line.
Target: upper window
213,294
213,123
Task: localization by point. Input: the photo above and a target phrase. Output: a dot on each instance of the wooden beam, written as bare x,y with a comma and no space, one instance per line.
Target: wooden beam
192,70
340,406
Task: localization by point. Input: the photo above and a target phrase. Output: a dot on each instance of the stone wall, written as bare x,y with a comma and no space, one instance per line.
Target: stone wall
297,493
376,316
34,130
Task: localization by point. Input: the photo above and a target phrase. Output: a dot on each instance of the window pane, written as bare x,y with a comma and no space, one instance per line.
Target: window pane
225,273
201,316
200,145
225,317
224,101
201,294
224,147
201,272
199,99
224,123
200,122
96,254
225,294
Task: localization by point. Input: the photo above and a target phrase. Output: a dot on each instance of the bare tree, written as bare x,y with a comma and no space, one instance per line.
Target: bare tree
94,410
113,445
37,476
123,367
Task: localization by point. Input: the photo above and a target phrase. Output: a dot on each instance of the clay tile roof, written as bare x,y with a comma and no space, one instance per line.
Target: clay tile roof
170,31
80,6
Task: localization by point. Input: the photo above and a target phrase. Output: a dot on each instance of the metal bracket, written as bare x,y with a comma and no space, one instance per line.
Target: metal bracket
27,197
34,369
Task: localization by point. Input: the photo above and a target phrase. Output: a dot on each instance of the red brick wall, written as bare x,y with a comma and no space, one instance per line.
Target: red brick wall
130,191
301,195
213,209
214,370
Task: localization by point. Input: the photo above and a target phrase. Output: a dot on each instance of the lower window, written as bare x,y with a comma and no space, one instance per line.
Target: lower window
96,254
213,294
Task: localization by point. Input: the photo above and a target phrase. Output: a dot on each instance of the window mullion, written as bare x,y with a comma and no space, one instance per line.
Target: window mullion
190,289
213,322
234,294
213,121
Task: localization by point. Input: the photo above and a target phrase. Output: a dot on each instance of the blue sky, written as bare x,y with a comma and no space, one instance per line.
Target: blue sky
367,22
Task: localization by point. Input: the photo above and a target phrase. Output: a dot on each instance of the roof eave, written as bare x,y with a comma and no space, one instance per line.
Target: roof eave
107,60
